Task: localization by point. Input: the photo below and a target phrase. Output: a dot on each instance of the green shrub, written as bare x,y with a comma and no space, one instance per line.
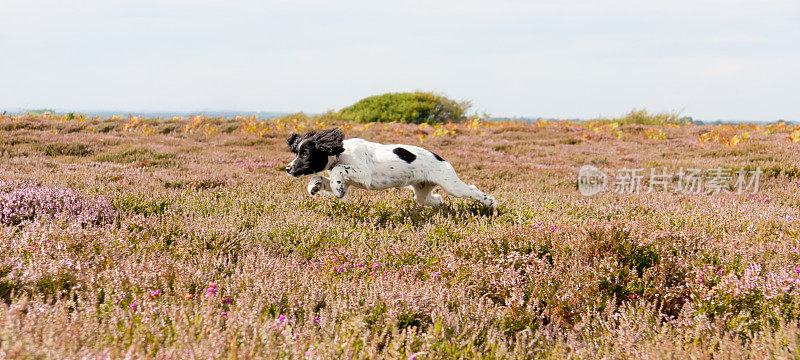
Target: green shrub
40,112
642,117
415,108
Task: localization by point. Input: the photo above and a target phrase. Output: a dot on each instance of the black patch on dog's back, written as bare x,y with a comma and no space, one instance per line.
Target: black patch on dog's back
437,156
404,154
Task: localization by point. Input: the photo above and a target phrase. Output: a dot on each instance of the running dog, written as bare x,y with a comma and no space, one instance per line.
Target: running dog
372,166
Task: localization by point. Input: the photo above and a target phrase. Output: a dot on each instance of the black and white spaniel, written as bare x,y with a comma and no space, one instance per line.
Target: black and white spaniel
373,166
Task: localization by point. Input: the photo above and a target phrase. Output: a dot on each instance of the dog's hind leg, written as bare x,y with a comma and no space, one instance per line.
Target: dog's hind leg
452,185
423,194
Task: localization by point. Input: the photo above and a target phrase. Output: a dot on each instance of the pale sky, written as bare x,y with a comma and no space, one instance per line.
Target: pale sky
713,59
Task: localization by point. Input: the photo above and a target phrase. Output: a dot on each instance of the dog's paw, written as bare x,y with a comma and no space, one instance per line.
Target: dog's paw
314,187
339,192
435,200
338,189
489,201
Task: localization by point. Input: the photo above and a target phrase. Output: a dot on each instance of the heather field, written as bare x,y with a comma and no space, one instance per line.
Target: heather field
185,238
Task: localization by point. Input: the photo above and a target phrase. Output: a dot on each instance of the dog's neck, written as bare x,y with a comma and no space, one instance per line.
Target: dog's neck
332,161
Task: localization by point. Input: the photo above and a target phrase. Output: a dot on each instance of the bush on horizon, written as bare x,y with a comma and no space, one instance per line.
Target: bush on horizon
643,117
415,108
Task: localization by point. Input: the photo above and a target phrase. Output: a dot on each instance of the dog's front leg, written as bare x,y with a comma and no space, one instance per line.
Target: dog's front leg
319,183
337,181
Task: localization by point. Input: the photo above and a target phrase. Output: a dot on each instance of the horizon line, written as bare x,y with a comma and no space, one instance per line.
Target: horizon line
118,112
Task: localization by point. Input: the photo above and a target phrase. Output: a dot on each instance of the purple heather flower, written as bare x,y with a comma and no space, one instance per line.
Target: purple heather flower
134,304
211,290
28,202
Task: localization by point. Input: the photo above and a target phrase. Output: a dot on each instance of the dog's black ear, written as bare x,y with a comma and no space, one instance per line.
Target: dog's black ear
292,141
329,141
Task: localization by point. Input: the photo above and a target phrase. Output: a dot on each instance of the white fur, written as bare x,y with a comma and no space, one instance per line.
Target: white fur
373,166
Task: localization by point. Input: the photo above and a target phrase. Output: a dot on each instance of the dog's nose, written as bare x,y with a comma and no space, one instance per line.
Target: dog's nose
289,168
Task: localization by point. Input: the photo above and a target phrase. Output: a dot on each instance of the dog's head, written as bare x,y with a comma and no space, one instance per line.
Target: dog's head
314,150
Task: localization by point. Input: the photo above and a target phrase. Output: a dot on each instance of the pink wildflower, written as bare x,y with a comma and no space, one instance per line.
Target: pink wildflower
211,290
